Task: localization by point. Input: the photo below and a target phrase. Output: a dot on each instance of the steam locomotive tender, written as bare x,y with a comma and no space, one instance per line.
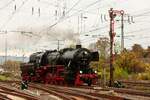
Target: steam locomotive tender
67,66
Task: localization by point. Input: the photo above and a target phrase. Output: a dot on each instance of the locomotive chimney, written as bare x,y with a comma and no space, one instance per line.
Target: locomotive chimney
78,46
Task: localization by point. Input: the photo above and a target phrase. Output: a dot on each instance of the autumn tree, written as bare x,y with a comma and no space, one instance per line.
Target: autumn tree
129,61
137,48
12,67
148,48
103,46
147,52
92,47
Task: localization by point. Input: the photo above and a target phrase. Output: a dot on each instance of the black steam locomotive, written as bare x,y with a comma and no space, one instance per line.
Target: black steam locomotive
66,66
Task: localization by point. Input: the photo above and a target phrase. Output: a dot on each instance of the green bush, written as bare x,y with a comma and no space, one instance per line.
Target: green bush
7,74
120,73
4,78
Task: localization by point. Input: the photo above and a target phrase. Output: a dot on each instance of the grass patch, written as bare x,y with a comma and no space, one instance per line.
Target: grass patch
4,78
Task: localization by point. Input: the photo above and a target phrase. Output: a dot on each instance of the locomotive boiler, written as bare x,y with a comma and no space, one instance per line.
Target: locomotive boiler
66,66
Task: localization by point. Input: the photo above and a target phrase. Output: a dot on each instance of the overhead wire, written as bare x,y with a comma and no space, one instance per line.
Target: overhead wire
6,5
81,11
73,6
96,29
138,15
142,14
74,9
95,22
62,18
12,15
139,30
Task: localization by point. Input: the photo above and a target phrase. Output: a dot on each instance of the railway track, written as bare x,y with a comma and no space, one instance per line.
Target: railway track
131,91
68,93
4,97
128,89
137,85
41,87
51,91
44,90
123,92
85,92
6,90
88,93
64,93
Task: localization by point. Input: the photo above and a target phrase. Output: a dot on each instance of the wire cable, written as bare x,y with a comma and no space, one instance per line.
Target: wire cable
62,18
6,5
12,15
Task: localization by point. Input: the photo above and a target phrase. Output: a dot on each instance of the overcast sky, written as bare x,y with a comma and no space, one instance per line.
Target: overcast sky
50,20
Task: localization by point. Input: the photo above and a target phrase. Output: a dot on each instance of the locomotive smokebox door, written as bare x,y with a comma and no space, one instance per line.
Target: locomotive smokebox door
95,56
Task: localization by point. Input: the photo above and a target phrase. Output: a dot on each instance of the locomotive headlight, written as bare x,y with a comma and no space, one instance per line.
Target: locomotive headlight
81,72
85,53
95,71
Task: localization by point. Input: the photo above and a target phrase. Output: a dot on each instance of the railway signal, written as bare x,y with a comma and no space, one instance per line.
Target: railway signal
112,15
